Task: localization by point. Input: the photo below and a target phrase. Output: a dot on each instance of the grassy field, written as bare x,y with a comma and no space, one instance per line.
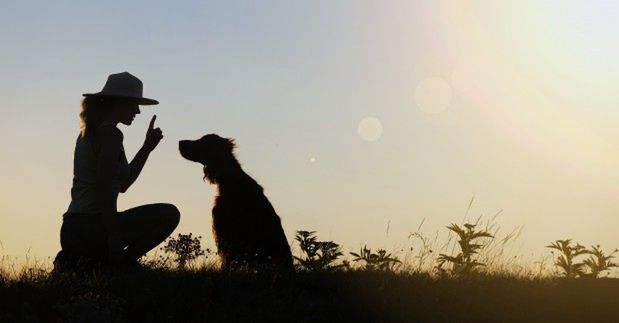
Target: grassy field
209,295
468,278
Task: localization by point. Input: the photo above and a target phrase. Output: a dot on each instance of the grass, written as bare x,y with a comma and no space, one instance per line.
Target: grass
206,294
471,276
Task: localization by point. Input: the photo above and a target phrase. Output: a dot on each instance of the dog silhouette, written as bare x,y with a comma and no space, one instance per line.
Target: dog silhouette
247,230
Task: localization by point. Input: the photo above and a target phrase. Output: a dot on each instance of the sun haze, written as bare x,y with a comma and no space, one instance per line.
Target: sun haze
353,115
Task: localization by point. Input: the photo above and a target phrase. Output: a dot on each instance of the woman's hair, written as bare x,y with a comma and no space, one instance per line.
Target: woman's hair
94,110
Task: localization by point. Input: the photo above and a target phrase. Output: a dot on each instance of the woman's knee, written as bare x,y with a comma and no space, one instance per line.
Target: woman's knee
170,214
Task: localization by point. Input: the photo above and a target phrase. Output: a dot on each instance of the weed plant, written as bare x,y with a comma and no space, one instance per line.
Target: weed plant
569,267
317,255
464,263
381,260
598,262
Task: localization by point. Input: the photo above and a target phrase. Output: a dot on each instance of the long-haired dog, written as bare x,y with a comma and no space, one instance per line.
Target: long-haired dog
246,228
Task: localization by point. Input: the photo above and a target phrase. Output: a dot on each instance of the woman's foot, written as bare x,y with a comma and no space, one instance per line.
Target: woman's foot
66,262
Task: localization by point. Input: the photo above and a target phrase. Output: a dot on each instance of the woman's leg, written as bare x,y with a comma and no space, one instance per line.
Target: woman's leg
83,240
142,228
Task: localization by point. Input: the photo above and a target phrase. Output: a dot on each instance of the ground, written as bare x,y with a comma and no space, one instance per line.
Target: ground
210,295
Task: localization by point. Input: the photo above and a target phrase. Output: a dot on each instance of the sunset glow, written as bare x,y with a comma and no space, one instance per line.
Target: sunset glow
351,114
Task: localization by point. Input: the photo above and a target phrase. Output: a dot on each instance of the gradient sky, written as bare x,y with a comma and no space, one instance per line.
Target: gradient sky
352,114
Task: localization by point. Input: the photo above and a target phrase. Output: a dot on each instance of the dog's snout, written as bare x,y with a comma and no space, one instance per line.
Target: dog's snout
184,145
183,148
188,149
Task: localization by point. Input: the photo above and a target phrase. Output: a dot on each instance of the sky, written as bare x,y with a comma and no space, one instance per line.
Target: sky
361,119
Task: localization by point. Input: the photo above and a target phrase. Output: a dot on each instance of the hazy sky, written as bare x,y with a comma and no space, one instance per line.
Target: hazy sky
351,114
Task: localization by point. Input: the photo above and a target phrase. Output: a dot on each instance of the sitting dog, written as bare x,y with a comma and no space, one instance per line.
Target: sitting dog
246,228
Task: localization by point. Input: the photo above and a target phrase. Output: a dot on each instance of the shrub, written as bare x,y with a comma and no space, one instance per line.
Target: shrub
184,249
566,259
598,261
381,260
463,262
317,255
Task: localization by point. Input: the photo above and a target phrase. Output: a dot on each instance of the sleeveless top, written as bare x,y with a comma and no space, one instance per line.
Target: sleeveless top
85,168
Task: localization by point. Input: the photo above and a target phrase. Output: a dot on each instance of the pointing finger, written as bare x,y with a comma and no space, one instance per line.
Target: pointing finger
152,122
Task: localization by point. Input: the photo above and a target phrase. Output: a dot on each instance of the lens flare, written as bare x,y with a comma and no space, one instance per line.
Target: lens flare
370,129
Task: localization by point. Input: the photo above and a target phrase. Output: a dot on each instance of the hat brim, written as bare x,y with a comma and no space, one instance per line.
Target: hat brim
140,101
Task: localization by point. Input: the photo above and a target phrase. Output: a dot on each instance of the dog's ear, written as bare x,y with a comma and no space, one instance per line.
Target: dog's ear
230,143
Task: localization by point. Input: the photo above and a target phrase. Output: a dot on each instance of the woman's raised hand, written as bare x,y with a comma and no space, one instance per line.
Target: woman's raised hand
153,135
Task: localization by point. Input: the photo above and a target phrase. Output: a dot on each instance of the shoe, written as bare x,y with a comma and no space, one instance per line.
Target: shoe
61,262
66,262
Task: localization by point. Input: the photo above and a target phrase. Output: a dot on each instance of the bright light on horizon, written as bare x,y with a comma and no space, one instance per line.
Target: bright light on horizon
394,111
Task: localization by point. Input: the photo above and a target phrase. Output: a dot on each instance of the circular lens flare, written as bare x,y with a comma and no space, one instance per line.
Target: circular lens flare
370,129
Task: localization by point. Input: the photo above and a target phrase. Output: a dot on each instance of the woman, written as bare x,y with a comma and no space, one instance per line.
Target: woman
93,230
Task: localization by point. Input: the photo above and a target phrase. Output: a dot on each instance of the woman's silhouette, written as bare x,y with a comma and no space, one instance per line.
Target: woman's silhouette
93,230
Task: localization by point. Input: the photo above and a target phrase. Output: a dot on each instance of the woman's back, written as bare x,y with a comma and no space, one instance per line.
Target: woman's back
85,177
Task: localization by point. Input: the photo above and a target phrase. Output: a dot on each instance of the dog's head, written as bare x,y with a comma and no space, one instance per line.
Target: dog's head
212,151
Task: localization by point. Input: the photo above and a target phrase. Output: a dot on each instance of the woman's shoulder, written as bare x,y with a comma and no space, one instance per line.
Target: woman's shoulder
109,134
110,131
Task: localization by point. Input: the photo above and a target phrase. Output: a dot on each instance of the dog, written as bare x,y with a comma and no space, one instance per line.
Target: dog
247,230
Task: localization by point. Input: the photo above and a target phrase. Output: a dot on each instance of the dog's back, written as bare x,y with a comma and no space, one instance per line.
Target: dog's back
247,229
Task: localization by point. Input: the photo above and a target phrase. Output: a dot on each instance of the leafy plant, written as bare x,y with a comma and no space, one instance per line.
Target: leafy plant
598,261
463,262
381,260
317,255
184,248
566,259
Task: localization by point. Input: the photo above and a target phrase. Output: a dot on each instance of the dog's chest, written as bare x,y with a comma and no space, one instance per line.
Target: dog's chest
231,206
237,207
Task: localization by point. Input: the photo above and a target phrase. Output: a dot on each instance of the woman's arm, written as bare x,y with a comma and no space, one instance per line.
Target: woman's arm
110,141
153,136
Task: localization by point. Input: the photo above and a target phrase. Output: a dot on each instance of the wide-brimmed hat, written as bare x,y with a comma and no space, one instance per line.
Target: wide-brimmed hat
124,85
